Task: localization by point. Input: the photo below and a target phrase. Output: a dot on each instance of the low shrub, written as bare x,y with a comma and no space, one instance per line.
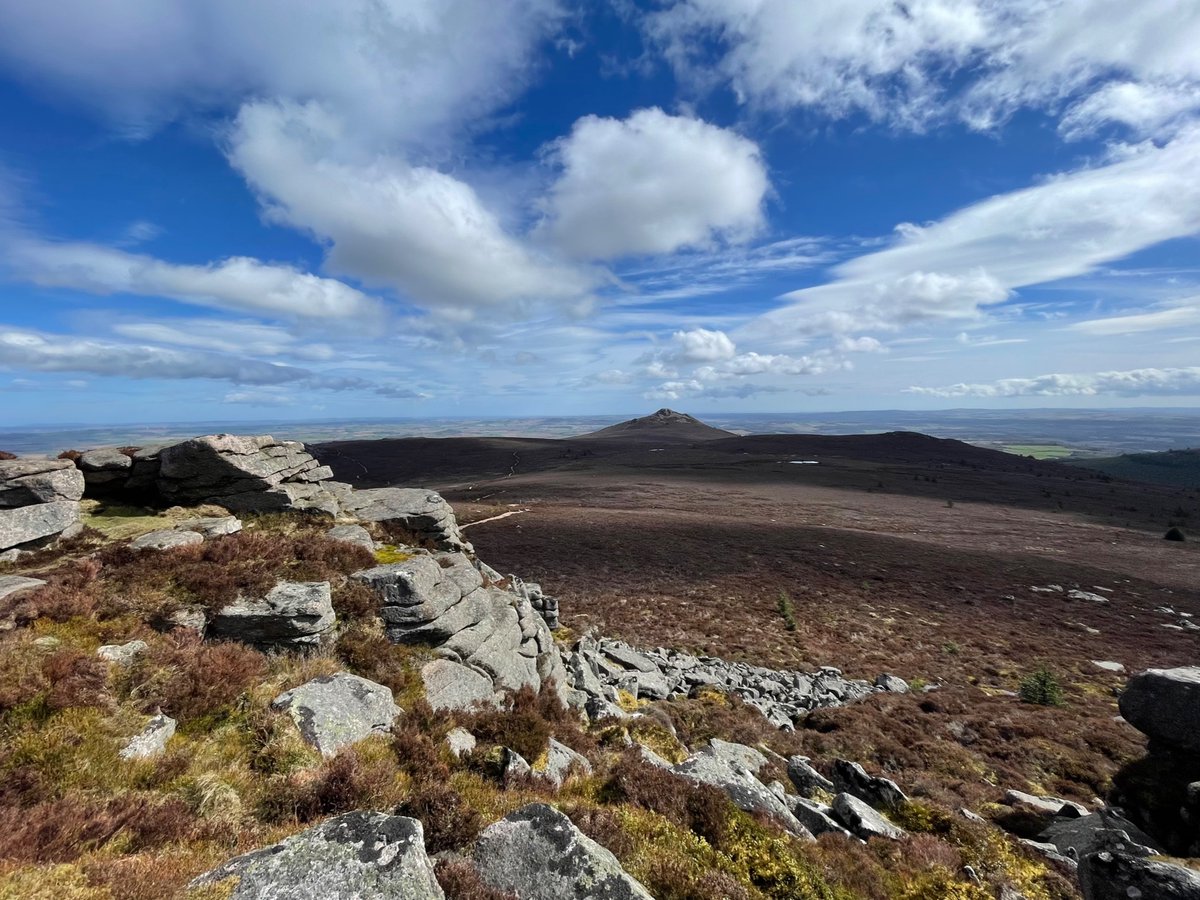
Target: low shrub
449,822
460,881
190,679
1041,687
787,611
353,779
522,726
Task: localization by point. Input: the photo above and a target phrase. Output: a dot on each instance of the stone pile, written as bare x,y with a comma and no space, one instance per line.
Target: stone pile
39,501
443,600
600,669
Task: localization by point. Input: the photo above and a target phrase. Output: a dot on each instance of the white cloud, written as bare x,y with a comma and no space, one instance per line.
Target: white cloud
398,69
1178,315
652,184
914,63
239,283
702,345
224,336
1154,109
974,258
386,222
36,352
1135,382
860,345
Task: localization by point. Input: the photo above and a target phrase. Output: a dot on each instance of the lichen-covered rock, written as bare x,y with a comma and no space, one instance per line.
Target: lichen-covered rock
152,740
122,654
166,539
33,480
423,513
539,854
336,710
560,760
451,685
863,820
292,614
356,856
891,683
28,524
1164,704
732,768
817,817
460,741
245,474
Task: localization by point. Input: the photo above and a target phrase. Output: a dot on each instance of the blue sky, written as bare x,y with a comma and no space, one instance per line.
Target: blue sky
221,210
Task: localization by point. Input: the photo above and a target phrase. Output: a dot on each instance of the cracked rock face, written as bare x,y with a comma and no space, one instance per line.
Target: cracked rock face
38,522
336,710
245,474
441,600
421,512
539,854
364,855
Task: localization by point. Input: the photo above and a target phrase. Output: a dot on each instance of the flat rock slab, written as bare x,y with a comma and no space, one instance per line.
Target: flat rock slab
1164,704
539,854
806,779
451,685
292,613
24,524
167,539
24,482
863,820
336,710
14,584
213,526
356,856
351,534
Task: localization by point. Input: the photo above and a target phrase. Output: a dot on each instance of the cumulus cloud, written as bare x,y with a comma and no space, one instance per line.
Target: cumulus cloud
974,258
1134,382
419,231
912,64
702,345
239,283
398,69
651,184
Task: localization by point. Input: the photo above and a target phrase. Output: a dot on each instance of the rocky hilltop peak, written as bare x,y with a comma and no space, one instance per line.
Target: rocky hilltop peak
663,425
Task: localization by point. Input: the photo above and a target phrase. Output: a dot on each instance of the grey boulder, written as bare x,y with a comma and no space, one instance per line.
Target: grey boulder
122,654
1076,838
817,817
26,524
29,481
732,768
422,512
14,584
892,684
863,820
152,740
539,854
356,856
291,614
351,534
1164,704
1109,875
336,710
851,778
805,778
451,685
213,526
105,466
560,760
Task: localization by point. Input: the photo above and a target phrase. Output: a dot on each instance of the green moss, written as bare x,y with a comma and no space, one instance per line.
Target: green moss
389,554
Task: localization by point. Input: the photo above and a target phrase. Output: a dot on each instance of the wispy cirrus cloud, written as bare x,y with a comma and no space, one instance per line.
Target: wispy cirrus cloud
1131,383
